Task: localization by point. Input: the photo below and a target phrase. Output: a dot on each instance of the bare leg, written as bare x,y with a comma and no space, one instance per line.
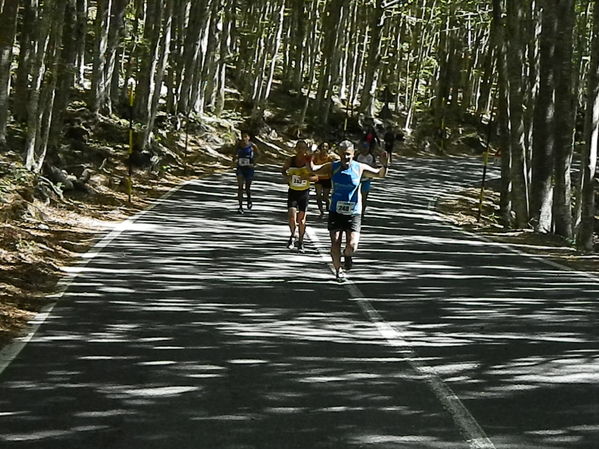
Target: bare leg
301,224
319,197
364,202
240,183
292,216
327,197
336,237
248,193
352,238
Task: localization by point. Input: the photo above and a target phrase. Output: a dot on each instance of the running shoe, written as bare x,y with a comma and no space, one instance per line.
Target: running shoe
290,242
240,211
250,205
347,263
340,276
301,248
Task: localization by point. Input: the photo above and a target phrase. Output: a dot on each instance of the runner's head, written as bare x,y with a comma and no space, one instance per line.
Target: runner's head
364,147
301,149
324,147
245,137
346,151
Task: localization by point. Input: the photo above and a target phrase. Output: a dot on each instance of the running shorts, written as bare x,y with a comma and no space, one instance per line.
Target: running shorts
366,185
298,199
324,182
340,222
245,172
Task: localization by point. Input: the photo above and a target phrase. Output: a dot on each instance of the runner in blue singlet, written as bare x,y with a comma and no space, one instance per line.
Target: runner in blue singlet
346,202
246,156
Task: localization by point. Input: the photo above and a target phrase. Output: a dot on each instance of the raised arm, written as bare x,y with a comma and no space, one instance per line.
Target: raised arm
323,169
374,172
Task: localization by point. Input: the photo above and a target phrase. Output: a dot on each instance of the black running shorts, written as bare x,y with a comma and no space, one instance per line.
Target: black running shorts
324,182
298,199
340,222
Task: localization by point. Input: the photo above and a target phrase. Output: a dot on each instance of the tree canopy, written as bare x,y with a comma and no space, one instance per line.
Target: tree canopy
525,72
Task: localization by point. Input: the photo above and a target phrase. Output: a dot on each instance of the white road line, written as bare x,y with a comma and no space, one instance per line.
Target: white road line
12,350
474,435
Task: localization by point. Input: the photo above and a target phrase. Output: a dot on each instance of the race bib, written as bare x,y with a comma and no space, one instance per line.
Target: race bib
345,207
297,181
244,161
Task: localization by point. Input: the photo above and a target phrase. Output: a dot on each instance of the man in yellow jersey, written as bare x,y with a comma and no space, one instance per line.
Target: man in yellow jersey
299,177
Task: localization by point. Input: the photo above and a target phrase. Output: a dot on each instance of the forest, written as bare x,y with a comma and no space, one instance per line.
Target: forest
523,75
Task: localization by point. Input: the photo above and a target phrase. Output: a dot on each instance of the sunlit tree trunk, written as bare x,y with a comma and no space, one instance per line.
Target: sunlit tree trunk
38,69
584,238
162,52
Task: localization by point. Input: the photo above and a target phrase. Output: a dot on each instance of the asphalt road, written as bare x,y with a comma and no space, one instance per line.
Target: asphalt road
194,327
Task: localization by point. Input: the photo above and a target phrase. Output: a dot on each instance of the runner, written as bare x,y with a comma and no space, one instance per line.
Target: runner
346,208
247,153
365,156
298,176
323,185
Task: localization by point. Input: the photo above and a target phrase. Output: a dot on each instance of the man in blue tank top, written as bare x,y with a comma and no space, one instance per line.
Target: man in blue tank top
346,202
246,156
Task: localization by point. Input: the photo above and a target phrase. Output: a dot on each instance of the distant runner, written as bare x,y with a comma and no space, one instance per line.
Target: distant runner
299,176
365,156
247,153
345,211
323,185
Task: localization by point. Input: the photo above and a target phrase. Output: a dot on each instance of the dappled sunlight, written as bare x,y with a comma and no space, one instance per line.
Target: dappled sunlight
195,319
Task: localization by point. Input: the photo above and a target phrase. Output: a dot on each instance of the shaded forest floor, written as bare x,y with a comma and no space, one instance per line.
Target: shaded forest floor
44,229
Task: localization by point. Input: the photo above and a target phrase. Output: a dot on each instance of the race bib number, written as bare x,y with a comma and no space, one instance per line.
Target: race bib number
345,207
297,181
244,161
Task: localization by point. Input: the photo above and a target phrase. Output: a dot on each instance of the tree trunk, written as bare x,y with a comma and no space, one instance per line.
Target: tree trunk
81,33
26,57
565,122
103,8
66,73
515,63
38,69
544,122
161,54
368,97
503,121
117,23
8,26
584,238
